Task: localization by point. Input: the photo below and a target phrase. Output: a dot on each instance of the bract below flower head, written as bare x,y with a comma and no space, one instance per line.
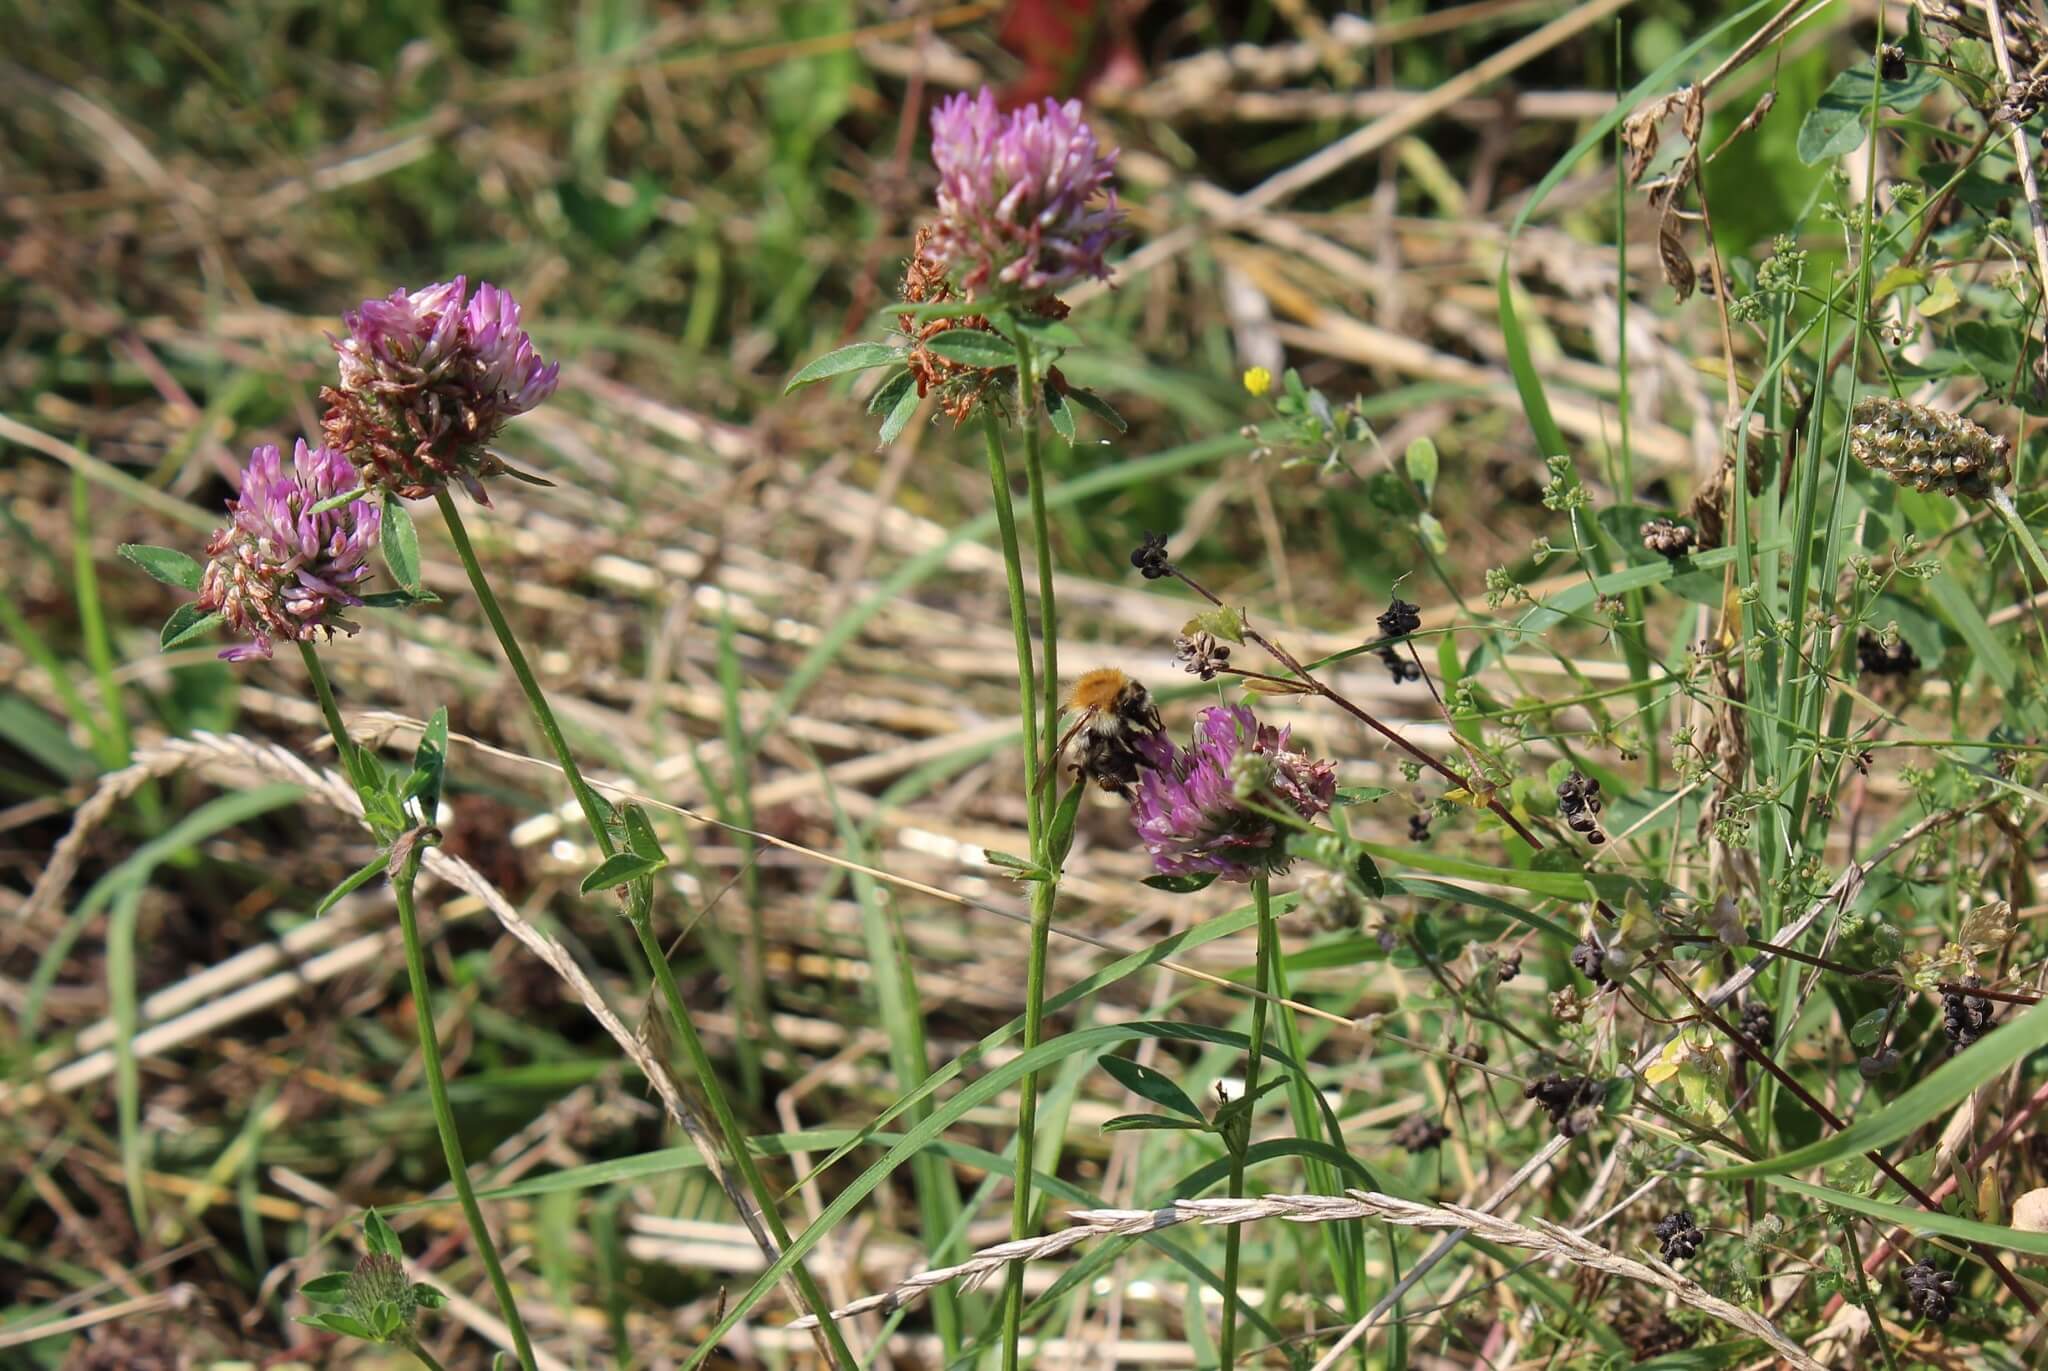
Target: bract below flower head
1026,208
276,570
428,378
1191,810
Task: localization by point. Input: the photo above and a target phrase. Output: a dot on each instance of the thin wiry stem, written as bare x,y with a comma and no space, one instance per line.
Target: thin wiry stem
404,875
641,914
1040,736
1226,1341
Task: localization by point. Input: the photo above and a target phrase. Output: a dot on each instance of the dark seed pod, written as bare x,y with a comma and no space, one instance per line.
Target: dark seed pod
1418,828
1572,1102
1758,1024
1149,557
1965,1018
1420,1133
1680,1236
1508,967
1591,960
1401,618
1873,658
1930,1292
1891,62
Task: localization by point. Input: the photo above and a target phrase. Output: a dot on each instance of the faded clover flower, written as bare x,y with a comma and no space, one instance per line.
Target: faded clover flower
1197,811
428,378
276,570
1018,198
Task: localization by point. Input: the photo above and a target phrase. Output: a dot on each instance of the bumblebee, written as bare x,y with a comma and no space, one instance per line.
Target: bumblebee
1112,713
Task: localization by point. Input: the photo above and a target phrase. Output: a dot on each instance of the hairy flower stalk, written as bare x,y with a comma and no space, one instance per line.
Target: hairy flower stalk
1026,208
428,378
278,570
1210,807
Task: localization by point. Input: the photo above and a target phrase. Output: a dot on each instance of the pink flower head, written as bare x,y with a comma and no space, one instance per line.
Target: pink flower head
428,378
279,571
1207,807
1017,193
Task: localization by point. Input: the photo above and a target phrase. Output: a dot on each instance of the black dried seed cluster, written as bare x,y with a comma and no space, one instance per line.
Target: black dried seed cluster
1400,619
1201,655
1680,1236
1930,1292
1401,668
1418,828
1965,1018
1668,539
1573,1102
1509,967
1873,658
1891,62
1591,960
1420,1133
1758,1024
1150,557
1578,796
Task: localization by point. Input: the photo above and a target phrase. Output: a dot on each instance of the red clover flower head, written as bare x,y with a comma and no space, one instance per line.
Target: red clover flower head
1017,197
1208,807
428,378
277,570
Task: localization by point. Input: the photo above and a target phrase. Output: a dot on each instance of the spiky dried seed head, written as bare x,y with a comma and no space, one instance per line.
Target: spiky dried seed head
1928,449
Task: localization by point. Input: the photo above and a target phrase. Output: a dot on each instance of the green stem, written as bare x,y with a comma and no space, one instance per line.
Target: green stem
642,920
424,1355
1865,1298
403,876
1041,548
1041,724
1226,1342
344,747
1020,618
2001,503
437,1093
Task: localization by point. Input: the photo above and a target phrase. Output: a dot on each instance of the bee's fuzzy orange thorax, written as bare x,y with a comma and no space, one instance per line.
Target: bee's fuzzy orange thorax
1097,690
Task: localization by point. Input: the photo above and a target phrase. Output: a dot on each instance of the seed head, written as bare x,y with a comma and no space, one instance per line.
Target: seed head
1875,658
276,571
1149,557
1400,619
1928,449
1419,1133
1680,1236
1668,539
1965,1018
1573,1102
1930,1292
1201,655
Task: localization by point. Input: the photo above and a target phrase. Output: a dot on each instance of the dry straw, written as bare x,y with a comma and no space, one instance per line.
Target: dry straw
230,760
1548,1238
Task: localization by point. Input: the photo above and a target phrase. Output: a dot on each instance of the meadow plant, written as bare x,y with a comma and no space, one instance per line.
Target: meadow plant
1681,850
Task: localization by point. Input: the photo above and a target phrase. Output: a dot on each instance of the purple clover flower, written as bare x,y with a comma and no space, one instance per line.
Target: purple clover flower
428,378
276,571
1016,197
1199,809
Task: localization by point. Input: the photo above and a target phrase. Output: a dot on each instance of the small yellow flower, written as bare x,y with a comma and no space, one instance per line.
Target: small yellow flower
1258,380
